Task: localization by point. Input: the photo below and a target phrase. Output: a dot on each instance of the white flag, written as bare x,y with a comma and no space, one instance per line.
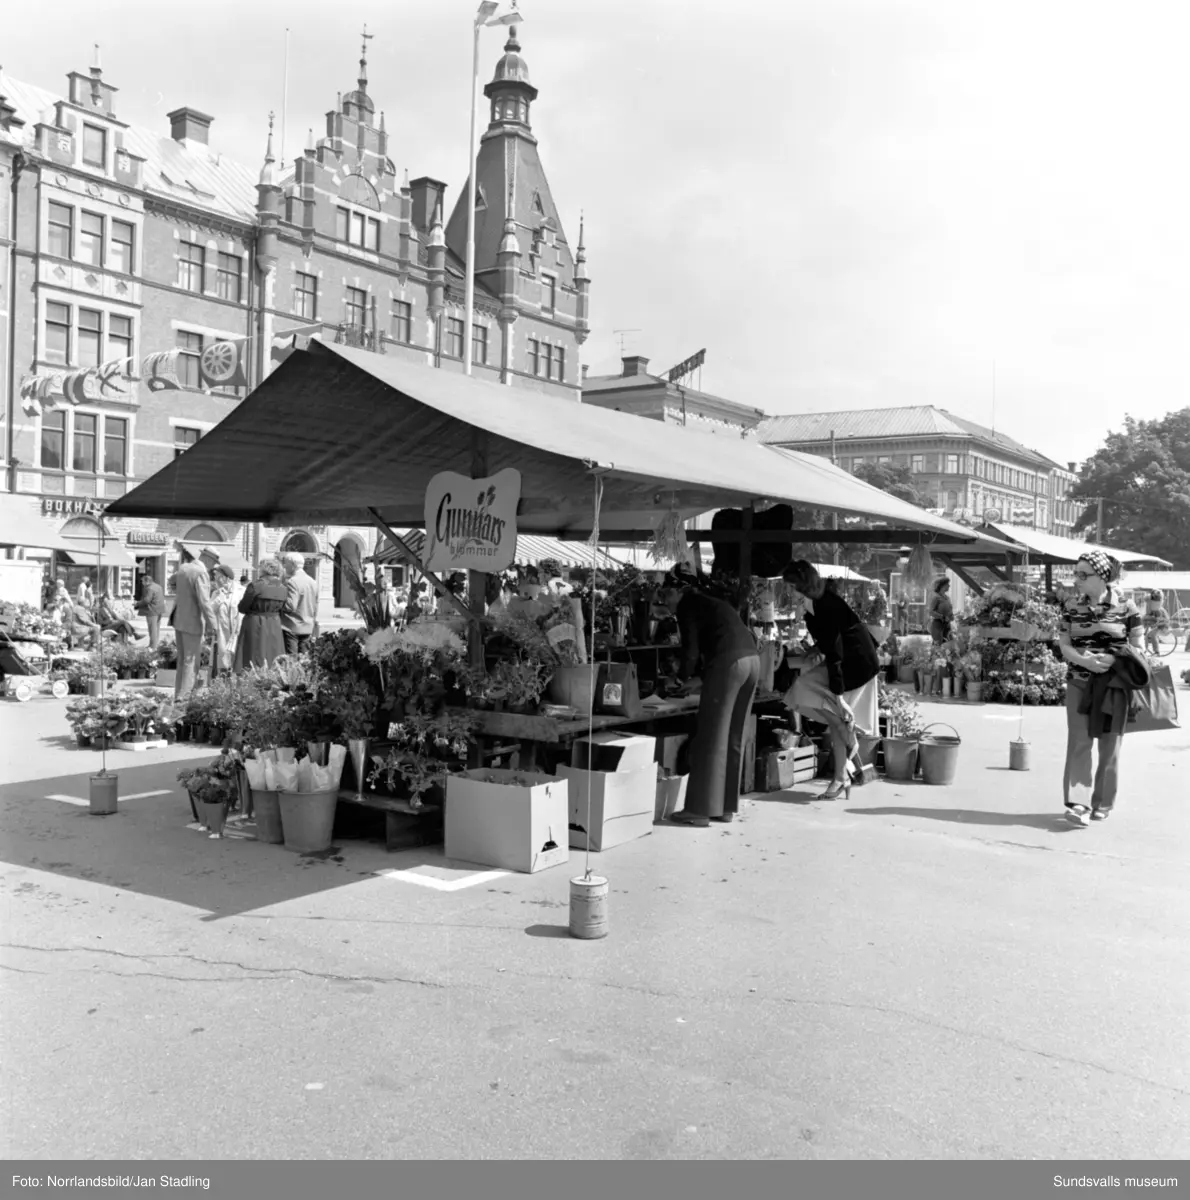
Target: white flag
494,12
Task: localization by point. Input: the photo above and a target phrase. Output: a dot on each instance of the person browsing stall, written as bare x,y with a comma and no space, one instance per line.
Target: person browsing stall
837,686
193,619
1101,639
718,647
151,606
300,615
261,640
941,612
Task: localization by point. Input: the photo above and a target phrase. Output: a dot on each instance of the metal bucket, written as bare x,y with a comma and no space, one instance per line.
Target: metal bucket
900,758
588,907
1018,755
939,756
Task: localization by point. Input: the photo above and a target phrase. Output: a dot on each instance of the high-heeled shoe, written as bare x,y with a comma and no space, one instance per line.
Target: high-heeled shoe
840,787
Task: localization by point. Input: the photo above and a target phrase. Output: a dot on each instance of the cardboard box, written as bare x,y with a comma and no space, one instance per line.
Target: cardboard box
613,752
781,769
622,805
671,796
669,749
517,820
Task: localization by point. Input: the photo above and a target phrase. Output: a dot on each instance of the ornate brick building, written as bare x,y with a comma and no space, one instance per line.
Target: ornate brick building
122,243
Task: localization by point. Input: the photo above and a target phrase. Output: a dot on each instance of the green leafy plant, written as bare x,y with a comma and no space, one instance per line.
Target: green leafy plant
900,711
425,750
216,783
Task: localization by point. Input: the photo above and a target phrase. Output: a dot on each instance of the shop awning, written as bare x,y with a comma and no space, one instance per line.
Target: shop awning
1048,547
83,552
20,525
530,551
227,553
1167,581
335,432
830,571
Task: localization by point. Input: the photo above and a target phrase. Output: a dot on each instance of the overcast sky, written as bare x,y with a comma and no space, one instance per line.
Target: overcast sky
849,204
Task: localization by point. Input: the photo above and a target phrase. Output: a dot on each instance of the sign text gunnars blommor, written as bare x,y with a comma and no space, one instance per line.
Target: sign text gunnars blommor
471,523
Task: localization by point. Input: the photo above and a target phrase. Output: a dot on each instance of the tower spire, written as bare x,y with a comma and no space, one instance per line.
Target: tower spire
363,60
268,174
580,254
96,76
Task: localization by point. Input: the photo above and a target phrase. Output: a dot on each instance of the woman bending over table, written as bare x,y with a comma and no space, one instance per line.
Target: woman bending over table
837,687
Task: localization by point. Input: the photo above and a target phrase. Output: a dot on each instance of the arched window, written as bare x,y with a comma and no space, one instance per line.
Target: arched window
82,527
204,533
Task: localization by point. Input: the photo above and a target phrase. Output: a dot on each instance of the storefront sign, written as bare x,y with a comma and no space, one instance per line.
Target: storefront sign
64,506
145,537
471,523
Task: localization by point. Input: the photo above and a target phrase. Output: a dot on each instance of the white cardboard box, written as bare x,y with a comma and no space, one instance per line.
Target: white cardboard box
519,826
622,805
614,752
671,796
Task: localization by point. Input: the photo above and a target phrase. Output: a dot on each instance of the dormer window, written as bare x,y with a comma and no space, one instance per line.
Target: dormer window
94,146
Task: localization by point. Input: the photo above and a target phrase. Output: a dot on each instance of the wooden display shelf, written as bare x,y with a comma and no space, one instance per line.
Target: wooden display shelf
405,827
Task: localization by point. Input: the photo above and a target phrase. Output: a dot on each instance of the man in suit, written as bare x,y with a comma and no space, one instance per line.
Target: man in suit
300,614
193,619
151,606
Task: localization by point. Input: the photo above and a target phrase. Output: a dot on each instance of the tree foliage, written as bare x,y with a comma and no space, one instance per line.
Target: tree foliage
896,481
1143,475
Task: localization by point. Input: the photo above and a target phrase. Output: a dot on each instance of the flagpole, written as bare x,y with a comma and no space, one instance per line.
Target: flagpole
472,184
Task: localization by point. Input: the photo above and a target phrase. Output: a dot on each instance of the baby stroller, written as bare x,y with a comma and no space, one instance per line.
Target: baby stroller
23,667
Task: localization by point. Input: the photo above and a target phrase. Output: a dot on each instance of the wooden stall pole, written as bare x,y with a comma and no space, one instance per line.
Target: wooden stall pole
746,559
1049,578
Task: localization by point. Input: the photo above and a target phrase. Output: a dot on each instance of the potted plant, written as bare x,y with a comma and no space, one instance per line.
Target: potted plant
213,787
166,663
522,682
903,728
424,750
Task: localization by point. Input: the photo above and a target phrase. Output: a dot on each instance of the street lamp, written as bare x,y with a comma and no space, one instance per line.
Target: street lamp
491,12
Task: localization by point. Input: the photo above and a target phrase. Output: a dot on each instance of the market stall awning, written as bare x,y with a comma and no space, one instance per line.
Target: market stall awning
830,571
1048,547
84,552
335,432
21,526
228,554
530,550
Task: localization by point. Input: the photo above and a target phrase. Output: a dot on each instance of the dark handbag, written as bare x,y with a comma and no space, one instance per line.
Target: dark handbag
1154,708
618,691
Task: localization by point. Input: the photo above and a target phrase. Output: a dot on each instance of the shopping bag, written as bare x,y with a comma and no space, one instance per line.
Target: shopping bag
618,691
1154,708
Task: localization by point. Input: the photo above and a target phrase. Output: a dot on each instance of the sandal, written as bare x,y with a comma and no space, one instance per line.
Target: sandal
1100,814
1078,814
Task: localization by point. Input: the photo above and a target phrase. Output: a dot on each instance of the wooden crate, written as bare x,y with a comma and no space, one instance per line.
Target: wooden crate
777,770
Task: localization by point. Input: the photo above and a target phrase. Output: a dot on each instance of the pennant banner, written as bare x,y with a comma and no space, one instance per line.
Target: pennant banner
286,341
160,371
222,364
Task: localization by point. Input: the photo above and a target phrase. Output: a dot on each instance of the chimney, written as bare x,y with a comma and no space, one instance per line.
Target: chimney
426,194
1072,468
586,368
635,364
189,125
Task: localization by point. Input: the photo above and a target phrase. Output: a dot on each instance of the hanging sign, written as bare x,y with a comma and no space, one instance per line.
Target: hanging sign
471,523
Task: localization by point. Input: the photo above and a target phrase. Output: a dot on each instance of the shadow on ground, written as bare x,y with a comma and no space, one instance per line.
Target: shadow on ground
1051,822
147,847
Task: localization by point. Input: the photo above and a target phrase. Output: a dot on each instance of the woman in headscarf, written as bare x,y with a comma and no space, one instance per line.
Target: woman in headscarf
719,648
261,640
1101,639
838,686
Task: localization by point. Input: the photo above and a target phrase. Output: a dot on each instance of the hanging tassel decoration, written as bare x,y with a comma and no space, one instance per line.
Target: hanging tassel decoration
920,571
669,541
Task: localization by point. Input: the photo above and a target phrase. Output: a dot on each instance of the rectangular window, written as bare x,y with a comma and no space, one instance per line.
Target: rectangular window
403,321
372,235
357,306
61,230
549,294
305,295
454,337
57,333
94,146
534,357
357,229
559,371
228,269
120,258
190,345
90,243
191,261
53,439
952,464
479,343
185,438
858,462
83,458
119,337
885,458
115,446
90,335
917,462
342,224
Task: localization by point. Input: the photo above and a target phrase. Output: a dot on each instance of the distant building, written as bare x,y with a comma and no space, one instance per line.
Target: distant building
130,243
635,391
970,472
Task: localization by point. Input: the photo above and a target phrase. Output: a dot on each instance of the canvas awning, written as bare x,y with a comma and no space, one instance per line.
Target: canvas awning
530,551
1167,581
830,571
1048,547
83,552
20,525
335,432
